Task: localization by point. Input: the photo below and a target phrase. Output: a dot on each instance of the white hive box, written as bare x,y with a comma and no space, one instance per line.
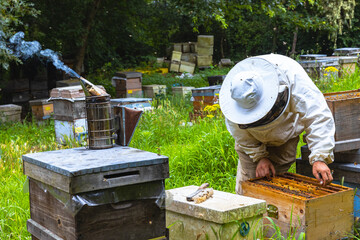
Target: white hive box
154,90
181,91
219,215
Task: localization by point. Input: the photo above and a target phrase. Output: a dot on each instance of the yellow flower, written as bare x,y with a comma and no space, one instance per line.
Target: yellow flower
210,116
331,69
208,108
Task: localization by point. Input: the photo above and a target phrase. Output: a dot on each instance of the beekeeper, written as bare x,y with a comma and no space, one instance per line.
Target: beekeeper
268,101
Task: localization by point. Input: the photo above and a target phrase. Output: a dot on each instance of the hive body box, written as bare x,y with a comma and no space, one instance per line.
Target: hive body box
69,118
154,90
181,90
205,96
346,170
323,212
115,193
220,214
10,112
345,107
41,108
128,84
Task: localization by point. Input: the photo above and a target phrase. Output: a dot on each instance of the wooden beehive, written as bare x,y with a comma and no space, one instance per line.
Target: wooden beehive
300,204
205,40
154,90
205,96
41,109
345,107
128,84
181,90
174,66
348,64
187,67
176,56
10,112
115,193
344,173
216,218
204,61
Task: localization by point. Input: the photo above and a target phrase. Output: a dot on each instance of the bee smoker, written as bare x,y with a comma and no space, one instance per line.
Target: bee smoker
99,121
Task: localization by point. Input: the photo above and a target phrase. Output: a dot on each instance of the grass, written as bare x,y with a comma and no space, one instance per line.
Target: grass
200,151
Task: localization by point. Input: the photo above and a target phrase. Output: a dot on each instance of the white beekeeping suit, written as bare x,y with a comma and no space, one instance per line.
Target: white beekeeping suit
268,101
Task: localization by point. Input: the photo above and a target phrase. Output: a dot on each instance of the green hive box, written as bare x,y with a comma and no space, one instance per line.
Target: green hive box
219,217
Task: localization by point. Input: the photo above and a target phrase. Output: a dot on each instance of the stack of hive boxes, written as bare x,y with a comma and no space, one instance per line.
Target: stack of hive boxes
205,50
345,107
183,58
128,84
69,113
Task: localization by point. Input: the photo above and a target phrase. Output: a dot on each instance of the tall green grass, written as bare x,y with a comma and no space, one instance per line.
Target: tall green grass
199,151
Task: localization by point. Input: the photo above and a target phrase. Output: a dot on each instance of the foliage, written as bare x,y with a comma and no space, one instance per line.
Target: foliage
11,15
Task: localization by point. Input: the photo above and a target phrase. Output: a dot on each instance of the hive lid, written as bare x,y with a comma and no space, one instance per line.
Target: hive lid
10,107
129,100
206,91
222,208
81,161
129,74
80,170
37,102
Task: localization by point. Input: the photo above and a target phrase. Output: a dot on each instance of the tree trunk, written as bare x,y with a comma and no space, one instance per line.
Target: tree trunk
273,48
80,56
293,47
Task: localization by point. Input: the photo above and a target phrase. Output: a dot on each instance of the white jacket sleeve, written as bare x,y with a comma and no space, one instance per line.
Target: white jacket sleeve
246,143
317,119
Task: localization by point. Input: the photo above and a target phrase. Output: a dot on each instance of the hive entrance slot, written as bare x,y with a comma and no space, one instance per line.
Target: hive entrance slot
121,175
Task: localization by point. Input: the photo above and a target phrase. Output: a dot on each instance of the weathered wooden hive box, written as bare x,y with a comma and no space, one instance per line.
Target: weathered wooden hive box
41,108
348,64
345,107
115,193
135,103
205,96
69,112
154,90
345,51
181,90
10,112
128,84
188,67
346,169
317,68
298,204
218,217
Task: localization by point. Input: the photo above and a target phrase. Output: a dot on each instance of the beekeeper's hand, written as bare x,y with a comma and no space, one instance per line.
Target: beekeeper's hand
265,168
322,173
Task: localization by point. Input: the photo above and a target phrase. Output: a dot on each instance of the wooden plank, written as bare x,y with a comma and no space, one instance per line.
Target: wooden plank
110,179
347,145
51,213
349,156
331,217
39,232
44,175
346,111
